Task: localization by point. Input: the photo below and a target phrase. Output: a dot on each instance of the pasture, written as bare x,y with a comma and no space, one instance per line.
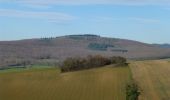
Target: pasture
106,83
153,78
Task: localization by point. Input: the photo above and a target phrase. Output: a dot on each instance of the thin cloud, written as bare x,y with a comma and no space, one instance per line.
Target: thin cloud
80,2
48,16
104,19
130,19
144,20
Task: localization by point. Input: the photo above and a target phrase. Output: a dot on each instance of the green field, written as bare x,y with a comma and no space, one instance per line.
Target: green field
153,77
106,83
26,68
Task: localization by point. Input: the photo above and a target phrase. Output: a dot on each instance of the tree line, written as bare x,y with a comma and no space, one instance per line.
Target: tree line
77,63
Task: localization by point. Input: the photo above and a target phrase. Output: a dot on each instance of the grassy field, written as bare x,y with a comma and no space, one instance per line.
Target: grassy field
107,83
27,68
153,77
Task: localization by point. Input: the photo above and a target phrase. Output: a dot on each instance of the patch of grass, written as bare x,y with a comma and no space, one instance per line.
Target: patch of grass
106,83
26,68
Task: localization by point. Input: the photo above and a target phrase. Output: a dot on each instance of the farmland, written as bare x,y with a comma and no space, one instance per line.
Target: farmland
106,83
153,78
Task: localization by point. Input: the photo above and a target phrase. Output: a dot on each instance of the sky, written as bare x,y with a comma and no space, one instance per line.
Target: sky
142,20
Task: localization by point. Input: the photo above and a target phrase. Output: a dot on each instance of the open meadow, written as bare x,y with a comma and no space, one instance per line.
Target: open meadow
106,83
153,78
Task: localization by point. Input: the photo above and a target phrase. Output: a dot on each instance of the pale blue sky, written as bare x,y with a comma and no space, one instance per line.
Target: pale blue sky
143,20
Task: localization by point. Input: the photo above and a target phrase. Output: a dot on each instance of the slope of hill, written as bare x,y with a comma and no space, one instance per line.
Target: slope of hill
56,49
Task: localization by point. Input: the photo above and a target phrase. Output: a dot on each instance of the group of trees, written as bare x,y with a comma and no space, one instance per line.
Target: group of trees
119,50
73,64
98,46
81,37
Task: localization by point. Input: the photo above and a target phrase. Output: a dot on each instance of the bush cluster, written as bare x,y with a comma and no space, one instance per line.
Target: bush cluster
132,91
73,64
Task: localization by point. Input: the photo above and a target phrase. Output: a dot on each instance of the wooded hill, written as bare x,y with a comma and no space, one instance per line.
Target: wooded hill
55,49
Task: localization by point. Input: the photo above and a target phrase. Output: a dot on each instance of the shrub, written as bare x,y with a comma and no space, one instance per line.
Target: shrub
132,91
